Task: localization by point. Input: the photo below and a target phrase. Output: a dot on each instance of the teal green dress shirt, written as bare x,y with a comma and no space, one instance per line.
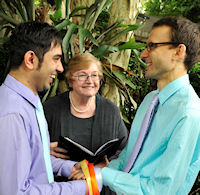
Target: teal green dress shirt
169,160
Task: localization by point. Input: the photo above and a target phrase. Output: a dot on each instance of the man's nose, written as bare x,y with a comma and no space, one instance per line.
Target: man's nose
144,54
60,67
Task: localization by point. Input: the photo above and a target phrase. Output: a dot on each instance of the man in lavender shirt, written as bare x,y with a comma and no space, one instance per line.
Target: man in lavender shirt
35,58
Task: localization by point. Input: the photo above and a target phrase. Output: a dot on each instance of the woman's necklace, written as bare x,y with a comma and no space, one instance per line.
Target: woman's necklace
76,109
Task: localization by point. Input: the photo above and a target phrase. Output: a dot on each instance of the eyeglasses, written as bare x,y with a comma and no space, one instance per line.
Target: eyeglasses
150,46
85,77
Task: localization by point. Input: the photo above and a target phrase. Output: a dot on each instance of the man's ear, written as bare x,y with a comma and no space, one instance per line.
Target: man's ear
29,60
180,54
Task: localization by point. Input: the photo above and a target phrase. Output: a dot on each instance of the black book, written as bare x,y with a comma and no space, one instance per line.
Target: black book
78,152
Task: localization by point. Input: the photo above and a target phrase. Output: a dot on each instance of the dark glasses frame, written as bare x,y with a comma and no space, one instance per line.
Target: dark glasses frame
150,46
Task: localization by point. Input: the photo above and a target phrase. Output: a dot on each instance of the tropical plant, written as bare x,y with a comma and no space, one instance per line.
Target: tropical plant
81,37
11,14
186,8
195,77
85,37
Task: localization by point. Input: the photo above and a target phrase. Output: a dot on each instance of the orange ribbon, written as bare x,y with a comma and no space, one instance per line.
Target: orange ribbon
84,166
88,170
93,179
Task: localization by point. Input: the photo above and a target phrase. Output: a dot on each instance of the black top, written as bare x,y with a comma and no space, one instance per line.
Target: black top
105,125
85,125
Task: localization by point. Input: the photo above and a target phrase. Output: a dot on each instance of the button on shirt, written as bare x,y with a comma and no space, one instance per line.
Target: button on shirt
22,165
169,160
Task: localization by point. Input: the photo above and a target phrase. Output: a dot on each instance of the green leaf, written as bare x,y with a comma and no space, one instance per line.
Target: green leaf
58,14
100,7
65,43
58,4
8,29
109,60
132,100
124,117
127,29
109,30
90,10
137,57
119,80
52,90
9,19
75,10
63,24
123,78
19,5
108,3
72,45
68,5
46,95
30,9
122,25
3,40
131,44
103,50
83,34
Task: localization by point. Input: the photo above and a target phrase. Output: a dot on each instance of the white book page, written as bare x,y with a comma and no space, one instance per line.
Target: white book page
99,149
80,146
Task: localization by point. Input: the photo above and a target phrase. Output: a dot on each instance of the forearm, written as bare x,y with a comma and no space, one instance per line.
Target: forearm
30,187
120,182
18,173
136,184
157,175
62,167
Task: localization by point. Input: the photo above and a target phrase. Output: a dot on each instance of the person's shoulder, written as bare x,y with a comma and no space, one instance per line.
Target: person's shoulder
190,102
187,99
8,104
57,100
107,104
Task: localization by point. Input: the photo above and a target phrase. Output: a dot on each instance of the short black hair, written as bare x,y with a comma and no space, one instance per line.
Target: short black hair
35,36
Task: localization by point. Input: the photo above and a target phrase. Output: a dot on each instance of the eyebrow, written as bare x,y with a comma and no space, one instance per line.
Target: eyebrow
83,71
57,55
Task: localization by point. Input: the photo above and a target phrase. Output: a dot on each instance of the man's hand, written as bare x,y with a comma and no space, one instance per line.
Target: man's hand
58,152
103,163
77,172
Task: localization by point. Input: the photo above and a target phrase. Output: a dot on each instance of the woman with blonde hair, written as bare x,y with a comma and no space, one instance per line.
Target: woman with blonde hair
81,114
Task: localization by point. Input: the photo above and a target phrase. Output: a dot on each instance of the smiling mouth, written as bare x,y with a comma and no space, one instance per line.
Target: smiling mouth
88,86
53,76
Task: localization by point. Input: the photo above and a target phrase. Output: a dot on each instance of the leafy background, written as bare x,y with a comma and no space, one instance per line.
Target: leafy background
94,35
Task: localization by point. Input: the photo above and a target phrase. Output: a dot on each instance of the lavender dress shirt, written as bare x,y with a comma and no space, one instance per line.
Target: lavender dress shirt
22,165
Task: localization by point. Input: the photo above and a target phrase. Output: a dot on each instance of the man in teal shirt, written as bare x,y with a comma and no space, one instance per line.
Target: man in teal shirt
169,160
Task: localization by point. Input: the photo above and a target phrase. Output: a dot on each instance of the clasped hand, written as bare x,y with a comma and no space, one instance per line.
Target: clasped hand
77,173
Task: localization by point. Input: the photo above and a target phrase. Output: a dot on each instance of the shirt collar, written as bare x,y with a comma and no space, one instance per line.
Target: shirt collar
22,90
172,87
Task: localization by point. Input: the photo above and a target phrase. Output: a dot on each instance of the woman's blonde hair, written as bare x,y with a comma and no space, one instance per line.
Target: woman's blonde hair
81,62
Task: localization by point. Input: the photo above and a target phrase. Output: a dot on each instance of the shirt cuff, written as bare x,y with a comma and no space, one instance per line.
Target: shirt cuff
108,176
67,168
98,178
79,186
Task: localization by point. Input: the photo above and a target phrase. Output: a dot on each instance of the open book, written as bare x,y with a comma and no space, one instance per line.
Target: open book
78,152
